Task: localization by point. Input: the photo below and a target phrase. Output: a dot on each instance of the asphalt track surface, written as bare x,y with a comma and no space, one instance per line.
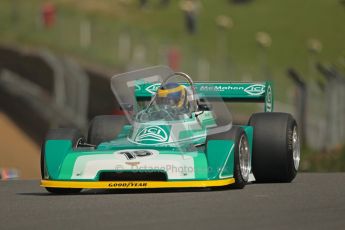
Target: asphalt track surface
312,201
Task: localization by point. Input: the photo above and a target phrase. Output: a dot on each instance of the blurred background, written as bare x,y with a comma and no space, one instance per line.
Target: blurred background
56,59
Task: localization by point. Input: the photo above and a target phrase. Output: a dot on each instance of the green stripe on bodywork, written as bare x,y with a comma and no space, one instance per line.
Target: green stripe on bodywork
217,154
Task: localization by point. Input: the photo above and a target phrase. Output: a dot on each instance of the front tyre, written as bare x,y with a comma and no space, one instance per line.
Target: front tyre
105,128
276,147
242,161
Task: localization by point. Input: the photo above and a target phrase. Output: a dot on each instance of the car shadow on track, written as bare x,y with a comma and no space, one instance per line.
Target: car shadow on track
126,191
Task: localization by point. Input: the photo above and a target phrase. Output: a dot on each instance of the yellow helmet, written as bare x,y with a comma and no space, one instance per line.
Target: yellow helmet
173,95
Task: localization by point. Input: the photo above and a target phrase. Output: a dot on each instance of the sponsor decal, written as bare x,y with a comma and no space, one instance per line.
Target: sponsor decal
127,185
128,155
269,99
153,134
153,88
255,90
219,88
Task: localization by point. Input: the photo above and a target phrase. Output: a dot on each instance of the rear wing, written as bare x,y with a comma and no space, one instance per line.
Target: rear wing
229,92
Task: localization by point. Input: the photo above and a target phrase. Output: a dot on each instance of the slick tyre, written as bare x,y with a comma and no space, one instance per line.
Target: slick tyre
242,158
276,147
105,128
60,134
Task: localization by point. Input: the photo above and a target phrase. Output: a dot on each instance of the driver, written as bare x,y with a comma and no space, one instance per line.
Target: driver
173,96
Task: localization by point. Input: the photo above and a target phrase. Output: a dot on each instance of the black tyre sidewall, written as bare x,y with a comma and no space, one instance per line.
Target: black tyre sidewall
239,181
105,128
292,172
273,147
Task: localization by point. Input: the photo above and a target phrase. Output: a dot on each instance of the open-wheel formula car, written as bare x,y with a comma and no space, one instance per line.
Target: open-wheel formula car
175,133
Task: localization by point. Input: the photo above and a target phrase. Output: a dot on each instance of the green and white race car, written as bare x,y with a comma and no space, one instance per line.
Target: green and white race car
175,134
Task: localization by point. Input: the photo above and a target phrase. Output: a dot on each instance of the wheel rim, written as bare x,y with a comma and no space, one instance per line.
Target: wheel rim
296,148
244,158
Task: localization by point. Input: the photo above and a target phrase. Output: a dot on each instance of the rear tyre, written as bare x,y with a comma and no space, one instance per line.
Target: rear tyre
276,147
75,137
242,159
105,128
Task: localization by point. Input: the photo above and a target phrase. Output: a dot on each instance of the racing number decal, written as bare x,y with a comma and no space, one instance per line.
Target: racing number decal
134,154
128,155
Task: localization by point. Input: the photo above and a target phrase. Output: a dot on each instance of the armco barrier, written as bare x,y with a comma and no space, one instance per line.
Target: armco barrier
73,94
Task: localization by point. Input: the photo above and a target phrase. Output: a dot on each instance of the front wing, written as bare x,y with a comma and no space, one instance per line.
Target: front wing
136,184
